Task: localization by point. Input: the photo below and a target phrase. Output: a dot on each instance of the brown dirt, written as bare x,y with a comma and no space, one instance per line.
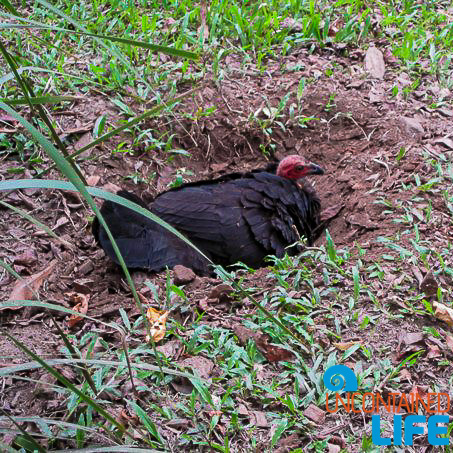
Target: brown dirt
356,137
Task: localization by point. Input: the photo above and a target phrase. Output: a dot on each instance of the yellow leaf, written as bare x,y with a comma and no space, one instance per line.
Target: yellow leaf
346,346
157,320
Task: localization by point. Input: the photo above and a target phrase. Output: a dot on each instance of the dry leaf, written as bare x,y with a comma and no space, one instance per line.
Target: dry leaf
315,414
418,390
203,27
202,365
449,341
347,345
443,313
27,258
331,448
26,288
412,338
157,320
412,126
331,212
433,351
429,285
271,352
81,301
405,374
374,63
447,142
93,180
243,334
258,419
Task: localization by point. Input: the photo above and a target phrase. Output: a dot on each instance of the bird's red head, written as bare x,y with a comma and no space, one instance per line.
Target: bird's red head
295,167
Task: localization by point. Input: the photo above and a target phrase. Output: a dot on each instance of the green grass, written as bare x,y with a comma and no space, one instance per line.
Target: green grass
59,62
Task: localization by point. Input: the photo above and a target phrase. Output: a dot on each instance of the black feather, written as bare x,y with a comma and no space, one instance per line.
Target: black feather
238,217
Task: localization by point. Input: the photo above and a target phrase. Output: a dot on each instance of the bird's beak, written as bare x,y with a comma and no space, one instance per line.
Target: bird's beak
313,169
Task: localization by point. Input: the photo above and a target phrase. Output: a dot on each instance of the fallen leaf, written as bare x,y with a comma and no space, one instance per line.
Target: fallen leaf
258,419
374,63
26,258
331,448
93,180
157,320
271,352
418,390
81,301
443,313
412,338
217,168
331,212
405,374
222,292
412,126
243,334
289,443
127,419
25,289
362,220
418,275
445,112
182,385
449,341
201,364
447,142
60,222
110,187
7,118
171,349
203,27
433,351
315,414
429,285
179,423
347,345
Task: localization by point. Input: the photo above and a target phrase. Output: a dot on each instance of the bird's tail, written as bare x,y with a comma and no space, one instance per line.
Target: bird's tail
143,243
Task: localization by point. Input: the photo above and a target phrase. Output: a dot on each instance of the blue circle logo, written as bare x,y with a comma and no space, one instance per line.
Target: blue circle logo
340,378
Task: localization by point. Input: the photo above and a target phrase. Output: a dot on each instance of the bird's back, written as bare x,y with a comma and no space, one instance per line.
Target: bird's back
242,217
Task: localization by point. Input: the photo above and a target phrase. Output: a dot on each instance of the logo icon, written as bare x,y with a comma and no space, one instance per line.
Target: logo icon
340,378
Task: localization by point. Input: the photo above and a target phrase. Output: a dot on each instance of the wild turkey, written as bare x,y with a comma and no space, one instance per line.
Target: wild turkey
237,217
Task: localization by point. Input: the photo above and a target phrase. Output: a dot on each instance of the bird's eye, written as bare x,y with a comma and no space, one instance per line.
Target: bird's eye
299,167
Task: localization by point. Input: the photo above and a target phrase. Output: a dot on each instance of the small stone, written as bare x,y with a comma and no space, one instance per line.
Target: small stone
183,275
221,292
315,414
331,448
412,126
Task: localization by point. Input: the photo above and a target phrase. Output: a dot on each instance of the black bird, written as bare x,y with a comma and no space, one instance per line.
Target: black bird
237,217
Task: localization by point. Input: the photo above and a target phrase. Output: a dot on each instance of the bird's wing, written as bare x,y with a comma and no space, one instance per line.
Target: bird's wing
279,212
143,243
